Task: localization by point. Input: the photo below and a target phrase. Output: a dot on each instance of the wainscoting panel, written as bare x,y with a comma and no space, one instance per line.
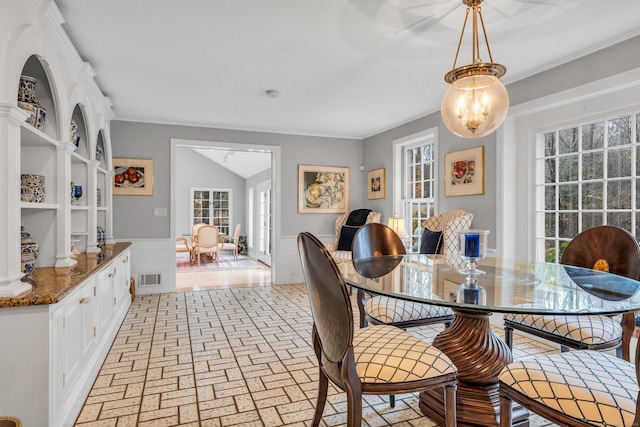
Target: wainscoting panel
152,261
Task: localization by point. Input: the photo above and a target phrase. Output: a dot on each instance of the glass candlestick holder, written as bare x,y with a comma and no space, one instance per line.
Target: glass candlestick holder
473,248
471,292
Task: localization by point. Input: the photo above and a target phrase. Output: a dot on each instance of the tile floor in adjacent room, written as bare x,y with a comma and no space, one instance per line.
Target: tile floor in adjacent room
231,357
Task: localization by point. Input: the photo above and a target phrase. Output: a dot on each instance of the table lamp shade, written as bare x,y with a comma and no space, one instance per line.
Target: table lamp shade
397,225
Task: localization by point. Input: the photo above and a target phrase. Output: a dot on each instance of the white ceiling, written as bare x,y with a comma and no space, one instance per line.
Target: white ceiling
347,68
243,163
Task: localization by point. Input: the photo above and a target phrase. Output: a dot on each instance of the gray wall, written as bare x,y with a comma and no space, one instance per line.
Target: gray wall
133,215
379,153
378,149
197,171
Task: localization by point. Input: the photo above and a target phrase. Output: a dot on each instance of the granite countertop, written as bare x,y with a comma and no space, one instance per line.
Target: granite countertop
51,285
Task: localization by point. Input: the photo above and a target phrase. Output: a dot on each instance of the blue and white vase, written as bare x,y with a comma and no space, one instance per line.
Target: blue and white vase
28,252
27,102
99,153
27,264
32,188
101,236
74,135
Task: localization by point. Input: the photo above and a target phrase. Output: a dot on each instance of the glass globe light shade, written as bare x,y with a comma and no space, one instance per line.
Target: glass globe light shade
474,106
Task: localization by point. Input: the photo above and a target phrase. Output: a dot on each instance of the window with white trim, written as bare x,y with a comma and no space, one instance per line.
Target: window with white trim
587,175
212,206
418,185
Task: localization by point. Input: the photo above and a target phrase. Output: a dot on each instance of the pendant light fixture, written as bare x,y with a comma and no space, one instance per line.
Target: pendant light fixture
477,102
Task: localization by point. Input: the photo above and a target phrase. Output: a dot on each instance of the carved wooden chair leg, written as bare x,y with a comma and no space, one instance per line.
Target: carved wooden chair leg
450,405
505,412
323,385
361,300
508,336
628,328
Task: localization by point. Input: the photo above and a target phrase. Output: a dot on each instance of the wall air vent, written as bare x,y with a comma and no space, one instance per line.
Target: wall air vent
149,279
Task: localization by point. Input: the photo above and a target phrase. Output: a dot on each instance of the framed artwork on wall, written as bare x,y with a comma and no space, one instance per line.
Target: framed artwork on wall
133,177
376,184
323,189
464,172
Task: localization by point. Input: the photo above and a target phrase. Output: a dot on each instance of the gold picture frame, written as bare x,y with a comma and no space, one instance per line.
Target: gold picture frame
323,189
133,177
376,184
464,172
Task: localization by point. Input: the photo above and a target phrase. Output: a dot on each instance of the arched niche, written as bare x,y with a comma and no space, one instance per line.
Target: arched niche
78,118
44,95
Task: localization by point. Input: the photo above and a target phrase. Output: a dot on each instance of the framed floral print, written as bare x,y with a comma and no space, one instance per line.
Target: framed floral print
464,172
323,189
376,184
132,177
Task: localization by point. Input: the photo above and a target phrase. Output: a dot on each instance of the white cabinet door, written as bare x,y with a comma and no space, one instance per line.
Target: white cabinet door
104,299
121,280
75,327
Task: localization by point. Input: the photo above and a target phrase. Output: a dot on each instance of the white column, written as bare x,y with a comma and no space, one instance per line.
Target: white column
10,214
92,219
63,218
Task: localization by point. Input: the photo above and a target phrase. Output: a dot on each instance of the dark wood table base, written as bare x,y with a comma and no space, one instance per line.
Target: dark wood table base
479,355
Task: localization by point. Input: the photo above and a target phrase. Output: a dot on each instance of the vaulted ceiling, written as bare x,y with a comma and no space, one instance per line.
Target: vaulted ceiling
348,68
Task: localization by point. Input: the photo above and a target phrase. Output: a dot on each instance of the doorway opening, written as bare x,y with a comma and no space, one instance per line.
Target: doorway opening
225,184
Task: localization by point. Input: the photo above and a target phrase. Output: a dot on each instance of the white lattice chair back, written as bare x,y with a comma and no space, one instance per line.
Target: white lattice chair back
450,223
342,256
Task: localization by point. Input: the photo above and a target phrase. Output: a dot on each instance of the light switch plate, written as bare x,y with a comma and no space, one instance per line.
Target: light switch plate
159,211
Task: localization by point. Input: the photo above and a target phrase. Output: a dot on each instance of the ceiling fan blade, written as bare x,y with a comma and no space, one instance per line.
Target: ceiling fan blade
427,21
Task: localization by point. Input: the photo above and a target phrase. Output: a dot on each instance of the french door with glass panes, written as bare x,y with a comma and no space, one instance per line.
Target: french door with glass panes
212,206
264,222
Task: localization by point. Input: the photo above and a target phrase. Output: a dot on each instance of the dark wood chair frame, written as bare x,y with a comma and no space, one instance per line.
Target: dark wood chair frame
333,332
375,240
622,252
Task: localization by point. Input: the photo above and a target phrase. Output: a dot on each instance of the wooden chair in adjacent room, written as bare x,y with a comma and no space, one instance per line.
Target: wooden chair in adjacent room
230,243
182,246
207,242
380,359
605,248
194,233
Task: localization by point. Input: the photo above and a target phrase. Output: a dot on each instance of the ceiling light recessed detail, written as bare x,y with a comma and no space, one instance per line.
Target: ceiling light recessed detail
272,93
477,102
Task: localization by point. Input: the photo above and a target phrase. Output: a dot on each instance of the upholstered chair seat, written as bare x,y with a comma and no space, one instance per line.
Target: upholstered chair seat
387,310
584,387
590,330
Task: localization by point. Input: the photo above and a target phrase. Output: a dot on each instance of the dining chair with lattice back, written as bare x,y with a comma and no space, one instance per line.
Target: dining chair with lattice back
380,359
207,242
584,388
377,239
605,248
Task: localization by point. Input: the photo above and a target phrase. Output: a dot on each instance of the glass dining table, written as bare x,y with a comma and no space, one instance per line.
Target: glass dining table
505,286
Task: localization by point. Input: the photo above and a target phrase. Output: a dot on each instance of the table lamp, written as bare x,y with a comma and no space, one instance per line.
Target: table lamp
397,224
